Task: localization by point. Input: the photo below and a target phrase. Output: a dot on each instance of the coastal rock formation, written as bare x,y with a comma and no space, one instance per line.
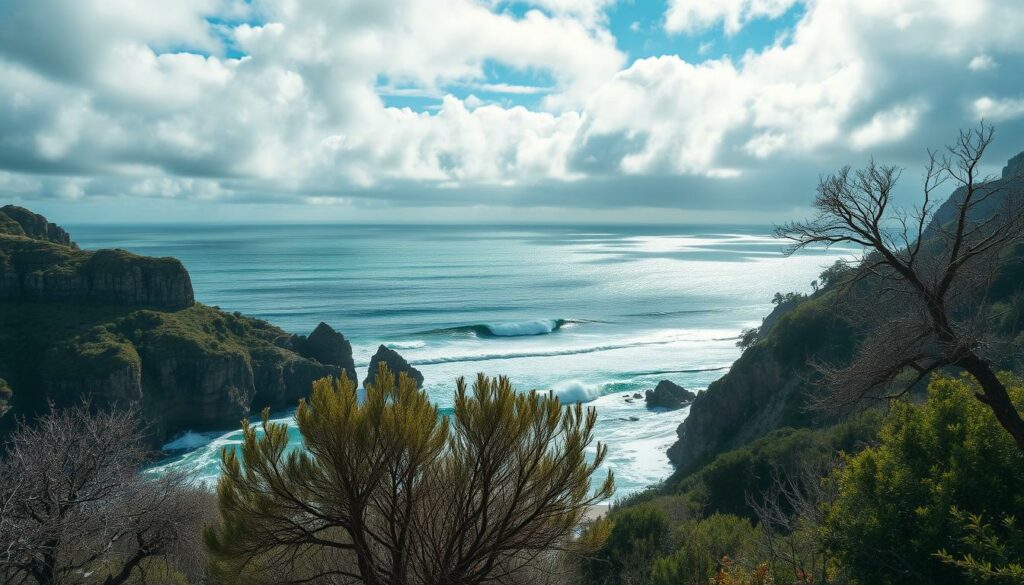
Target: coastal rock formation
327,346
395,362
120,329
668,394
36,270
32,225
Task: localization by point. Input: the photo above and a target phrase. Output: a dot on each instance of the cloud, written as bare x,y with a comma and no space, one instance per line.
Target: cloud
998,109
888,126
277,100
982,63
694,15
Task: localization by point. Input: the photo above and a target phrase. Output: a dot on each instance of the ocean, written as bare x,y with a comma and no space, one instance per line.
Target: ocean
593,313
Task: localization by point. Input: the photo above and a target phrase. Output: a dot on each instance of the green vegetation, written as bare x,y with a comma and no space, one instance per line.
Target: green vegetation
389,492
10,227
899,502
931,493
723,486
56,341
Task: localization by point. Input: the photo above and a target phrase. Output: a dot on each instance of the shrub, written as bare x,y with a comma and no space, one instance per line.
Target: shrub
893,509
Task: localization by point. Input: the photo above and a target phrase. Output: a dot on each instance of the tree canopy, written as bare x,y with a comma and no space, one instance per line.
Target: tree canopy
387,491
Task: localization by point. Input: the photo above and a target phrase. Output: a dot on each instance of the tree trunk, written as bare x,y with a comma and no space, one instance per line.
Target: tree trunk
994,394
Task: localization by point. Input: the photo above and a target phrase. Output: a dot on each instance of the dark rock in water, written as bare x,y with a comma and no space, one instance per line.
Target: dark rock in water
634,418
395,362
327,346
32,225
637,395
670,395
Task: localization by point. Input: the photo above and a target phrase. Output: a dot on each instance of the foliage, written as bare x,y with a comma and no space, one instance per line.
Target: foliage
387,491
726,484
784,299
735,574
892,512
992,554
747,338
704,544
636,537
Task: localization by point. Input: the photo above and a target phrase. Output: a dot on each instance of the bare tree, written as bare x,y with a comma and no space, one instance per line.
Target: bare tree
923,270
791,516
74,504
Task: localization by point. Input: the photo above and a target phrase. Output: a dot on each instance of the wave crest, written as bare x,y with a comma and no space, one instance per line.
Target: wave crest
571,391
508,328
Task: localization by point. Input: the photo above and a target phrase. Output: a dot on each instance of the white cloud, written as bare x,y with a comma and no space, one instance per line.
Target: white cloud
134,104
888,126
982,63
998,109
511,88
694,15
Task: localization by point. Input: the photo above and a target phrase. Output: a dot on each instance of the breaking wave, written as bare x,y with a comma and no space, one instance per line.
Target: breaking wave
508,328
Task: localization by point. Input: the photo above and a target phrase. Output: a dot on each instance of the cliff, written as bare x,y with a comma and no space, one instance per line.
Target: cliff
118,329
19,221
37,270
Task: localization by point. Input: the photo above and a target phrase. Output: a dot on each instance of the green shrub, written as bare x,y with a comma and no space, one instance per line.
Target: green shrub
893,511
704,544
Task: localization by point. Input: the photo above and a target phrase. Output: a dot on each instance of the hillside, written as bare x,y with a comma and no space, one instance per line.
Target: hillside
118,328
769,386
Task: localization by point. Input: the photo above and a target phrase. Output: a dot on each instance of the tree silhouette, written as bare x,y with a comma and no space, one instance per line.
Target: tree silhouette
924,270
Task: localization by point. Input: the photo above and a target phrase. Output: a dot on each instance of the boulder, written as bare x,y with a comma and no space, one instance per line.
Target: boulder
668,394
395,362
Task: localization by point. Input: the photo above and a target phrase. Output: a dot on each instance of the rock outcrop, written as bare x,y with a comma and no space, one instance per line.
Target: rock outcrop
395,362
33,225
668,394
121,329
36,270
327,346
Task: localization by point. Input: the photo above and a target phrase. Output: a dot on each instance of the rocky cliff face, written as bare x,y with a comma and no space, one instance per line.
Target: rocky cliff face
121,329
40,271
33,225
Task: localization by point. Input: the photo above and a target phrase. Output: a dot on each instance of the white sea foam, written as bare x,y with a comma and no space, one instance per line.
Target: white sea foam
405,344
190,440
571,391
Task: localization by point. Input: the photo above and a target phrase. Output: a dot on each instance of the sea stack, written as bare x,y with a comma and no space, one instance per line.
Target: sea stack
395,362
328,346
670,395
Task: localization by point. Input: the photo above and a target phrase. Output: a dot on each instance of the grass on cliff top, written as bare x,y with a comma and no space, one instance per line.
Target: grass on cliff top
103,336
9,226
32,254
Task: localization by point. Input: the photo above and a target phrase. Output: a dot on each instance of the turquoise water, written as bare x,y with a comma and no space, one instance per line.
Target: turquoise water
593,313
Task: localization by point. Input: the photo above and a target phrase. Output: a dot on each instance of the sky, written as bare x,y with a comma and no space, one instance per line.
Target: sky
563,111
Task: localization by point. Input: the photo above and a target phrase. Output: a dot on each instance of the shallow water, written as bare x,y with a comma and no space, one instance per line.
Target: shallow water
592,312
